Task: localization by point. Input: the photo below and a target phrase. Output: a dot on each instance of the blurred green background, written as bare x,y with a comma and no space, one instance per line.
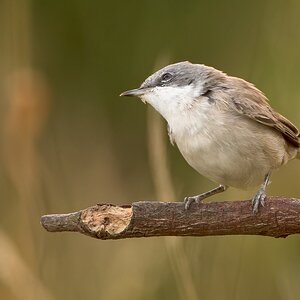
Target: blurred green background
68,141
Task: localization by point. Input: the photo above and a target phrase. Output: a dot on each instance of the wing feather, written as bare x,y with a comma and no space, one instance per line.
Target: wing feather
252,103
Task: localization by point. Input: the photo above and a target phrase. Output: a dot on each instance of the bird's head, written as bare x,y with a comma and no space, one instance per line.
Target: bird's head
175,87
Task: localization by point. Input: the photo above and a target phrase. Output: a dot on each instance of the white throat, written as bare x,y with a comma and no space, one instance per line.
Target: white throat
171,102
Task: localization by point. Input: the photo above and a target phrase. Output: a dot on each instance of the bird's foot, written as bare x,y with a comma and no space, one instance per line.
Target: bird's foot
189,200
198,198
258,200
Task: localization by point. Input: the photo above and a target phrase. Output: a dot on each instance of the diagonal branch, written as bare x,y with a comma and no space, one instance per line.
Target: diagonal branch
279,217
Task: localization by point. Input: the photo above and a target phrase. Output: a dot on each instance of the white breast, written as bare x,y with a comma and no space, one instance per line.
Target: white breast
224,146
227,148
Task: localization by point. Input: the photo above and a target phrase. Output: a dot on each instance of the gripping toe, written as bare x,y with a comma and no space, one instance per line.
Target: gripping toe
258,200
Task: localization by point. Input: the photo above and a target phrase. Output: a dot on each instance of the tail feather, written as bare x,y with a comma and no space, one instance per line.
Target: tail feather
298,154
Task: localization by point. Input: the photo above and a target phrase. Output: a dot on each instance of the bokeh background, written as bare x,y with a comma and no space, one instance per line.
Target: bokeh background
69,141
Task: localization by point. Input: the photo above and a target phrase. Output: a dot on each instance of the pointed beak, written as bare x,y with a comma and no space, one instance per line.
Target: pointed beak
134,93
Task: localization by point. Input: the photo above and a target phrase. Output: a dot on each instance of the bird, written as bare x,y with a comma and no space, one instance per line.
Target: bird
223,126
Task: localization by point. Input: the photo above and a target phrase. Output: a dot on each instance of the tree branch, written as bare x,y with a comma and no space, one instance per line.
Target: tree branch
279,217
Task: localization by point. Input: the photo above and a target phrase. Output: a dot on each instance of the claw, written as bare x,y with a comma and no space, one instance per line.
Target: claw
258,199
189,200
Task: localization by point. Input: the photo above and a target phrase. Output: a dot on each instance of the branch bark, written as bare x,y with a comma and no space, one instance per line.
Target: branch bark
279,217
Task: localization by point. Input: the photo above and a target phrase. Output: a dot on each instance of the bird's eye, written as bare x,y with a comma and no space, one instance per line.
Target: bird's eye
166,77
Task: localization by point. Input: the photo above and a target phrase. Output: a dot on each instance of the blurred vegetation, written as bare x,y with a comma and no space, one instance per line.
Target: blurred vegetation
68,141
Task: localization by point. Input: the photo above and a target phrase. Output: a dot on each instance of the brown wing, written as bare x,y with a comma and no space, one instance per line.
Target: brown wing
252,103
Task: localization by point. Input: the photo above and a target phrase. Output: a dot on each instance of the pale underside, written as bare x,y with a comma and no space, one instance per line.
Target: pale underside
231,150
218,140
